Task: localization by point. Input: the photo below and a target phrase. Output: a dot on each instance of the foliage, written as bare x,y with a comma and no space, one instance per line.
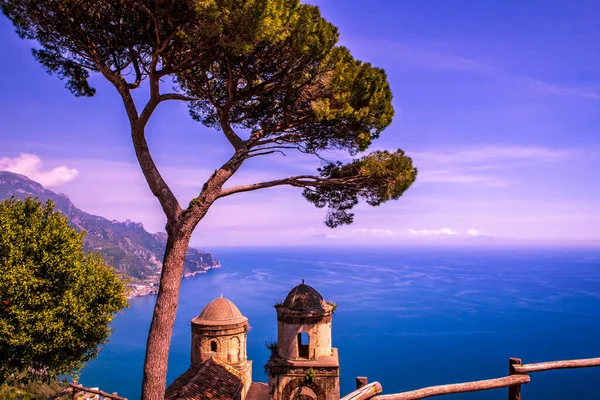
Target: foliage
271,344
268,73
126,246
310,376
376,178
301,84
55,300
31,390
278,304
333,305
133,37
303,92
268,67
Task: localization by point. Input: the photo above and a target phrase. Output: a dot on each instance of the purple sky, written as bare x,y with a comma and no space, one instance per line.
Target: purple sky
498,103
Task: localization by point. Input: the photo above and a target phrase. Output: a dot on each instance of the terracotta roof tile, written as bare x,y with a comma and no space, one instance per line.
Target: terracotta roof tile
213,379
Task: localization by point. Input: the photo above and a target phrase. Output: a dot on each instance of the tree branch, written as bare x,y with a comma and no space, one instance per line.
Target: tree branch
157,184
211,190
175,96
121,85
264,153
272,148
138,71
231,85
154,92
255,139
297,181
208,92
230,134
256,186
304,181
156,25
167,70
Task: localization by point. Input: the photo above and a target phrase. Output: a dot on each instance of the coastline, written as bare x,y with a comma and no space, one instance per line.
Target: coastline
150,285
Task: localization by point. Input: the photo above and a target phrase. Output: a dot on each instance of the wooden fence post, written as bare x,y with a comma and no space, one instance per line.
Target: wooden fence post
514,392
361,381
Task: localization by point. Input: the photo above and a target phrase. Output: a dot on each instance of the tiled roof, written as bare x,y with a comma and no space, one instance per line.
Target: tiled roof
213,379
258,391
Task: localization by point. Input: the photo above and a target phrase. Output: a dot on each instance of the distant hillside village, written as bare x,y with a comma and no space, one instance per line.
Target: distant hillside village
127,246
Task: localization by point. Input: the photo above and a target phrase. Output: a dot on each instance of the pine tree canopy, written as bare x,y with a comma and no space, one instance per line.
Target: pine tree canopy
268,73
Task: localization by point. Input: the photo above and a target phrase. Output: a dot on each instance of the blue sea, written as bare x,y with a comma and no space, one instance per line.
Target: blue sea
406,318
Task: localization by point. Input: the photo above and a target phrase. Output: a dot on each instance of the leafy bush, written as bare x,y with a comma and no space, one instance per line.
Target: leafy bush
32,390
271,344
333,305
56,302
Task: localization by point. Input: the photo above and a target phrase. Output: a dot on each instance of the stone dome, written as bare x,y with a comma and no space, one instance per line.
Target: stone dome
220,311
305,298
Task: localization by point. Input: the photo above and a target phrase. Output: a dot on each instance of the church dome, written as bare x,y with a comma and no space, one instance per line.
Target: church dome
305,298
220,311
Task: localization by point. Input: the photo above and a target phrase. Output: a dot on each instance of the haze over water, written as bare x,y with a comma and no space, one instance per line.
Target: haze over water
406,318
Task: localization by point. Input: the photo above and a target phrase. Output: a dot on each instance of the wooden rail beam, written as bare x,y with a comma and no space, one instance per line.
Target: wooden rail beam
366,392
458,388
546,366
79,388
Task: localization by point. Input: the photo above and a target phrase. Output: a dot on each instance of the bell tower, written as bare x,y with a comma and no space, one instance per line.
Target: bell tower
219,332
304,365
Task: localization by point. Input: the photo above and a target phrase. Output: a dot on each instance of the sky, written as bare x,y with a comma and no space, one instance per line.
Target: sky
497,102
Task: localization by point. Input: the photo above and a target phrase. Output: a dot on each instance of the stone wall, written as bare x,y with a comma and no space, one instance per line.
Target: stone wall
319,340
230,345
325,386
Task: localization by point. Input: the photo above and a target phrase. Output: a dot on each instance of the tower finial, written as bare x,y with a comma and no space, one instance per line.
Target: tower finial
303,281
221,295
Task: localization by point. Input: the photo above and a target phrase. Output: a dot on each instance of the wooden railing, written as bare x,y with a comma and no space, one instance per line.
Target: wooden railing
517,376
80,389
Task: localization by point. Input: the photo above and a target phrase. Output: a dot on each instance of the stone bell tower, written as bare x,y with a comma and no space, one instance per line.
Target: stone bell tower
219,366
220,331
304,365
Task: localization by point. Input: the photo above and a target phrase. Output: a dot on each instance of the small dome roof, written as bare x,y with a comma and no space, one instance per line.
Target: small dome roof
305,298
220,311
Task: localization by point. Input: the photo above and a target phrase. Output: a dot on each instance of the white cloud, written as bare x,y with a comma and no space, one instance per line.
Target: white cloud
373,232
30,165
432,232
443,232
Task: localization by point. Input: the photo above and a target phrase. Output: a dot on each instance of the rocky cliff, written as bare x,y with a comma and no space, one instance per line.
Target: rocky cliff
126,245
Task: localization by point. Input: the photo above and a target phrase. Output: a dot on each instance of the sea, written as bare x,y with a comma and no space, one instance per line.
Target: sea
408,318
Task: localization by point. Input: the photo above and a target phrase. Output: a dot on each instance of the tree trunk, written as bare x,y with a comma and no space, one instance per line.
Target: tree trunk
165,309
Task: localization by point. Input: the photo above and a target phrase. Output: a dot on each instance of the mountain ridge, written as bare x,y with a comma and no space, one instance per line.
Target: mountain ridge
126,245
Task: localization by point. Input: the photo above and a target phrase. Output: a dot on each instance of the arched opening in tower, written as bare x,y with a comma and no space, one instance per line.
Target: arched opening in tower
303,344
213,346
304,393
